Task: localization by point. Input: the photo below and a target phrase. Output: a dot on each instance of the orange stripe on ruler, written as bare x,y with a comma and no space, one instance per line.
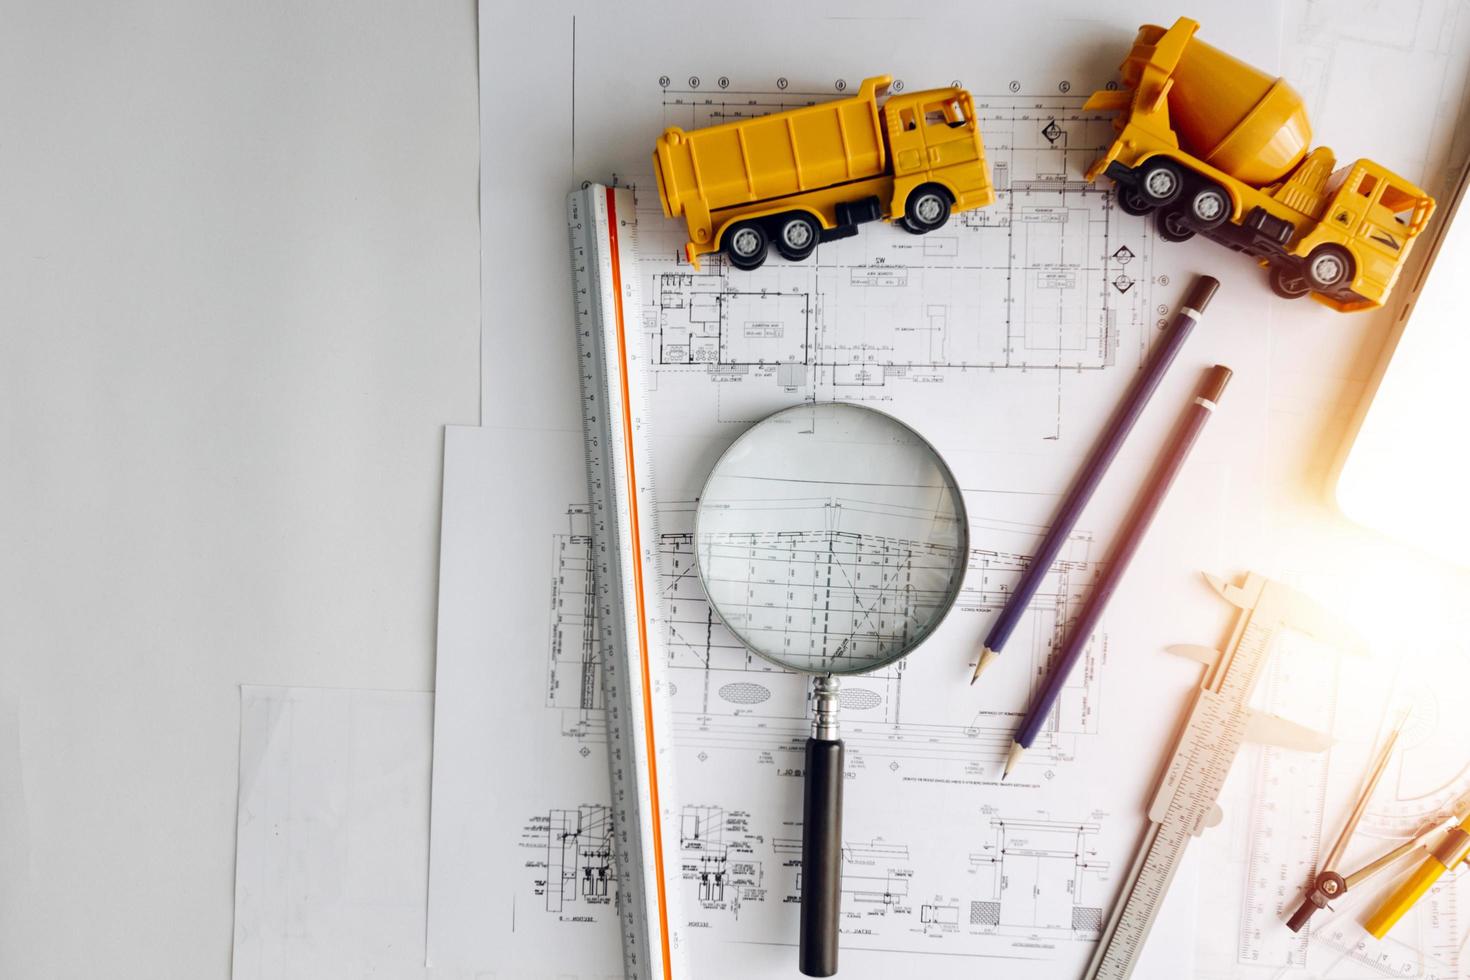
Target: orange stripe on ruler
638,595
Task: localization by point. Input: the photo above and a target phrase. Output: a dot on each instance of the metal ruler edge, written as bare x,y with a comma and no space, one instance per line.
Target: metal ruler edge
602,230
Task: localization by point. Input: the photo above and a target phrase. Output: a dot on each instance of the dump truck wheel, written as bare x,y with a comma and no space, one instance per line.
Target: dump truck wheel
745,244
1173,225
1132,202
1209,206
1160,182
1288,283
796,235
1328,267
926,209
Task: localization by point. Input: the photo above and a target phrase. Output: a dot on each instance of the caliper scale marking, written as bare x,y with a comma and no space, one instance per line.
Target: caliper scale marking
1186,802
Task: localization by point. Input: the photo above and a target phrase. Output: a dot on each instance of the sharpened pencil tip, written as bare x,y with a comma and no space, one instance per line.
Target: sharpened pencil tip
1017,750
987,657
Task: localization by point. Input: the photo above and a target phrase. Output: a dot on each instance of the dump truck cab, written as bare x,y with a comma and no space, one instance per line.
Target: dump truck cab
933,136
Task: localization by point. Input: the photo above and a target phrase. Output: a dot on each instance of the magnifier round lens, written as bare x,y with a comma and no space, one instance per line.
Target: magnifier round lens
831,538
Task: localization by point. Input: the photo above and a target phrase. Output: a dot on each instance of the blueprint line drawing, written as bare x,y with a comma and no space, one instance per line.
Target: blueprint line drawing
830,599
1039,874
874,872
717,850
1004,338
727,698
1053,281
875,876
1058,281
874,720
574,666
578,857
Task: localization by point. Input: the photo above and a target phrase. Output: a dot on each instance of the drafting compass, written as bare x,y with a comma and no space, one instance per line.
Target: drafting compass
1329,884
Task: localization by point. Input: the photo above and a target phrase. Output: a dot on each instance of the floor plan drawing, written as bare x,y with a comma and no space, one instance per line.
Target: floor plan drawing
1049,279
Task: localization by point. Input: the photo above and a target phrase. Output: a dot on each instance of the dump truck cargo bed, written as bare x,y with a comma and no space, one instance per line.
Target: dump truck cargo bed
772,156
799,177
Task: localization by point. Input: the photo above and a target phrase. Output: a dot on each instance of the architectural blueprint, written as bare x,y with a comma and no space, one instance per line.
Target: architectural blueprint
939,856
1060,283
729,692
1050,280
1005,338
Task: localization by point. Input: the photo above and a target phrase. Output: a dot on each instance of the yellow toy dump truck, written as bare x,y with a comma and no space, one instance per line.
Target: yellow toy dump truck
814,174
1213,146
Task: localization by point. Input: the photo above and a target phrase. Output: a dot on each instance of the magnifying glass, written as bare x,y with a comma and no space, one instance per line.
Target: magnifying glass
831,539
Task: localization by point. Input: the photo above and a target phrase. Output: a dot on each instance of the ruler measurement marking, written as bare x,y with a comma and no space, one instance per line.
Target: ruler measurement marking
603,249
638,592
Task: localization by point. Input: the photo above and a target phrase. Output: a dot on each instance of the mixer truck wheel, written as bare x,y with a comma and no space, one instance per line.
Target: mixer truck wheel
1328,267
926,209
1174,226
1288,283
1159,181
796,235
1208,207
1132,202
745,244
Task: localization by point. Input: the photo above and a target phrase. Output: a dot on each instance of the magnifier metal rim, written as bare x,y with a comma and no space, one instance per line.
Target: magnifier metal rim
960,515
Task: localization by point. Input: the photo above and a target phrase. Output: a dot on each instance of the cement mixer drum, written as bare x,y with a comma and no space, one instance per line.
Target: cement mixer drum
1235,117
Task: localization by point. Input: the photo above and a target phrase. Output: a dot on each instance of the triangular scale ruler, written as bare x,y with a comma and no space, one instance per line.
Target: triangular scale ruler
604,253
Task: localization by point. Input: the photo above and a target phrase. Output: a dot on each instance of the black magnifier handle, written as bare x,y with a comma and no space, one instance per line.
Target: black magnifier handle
821,837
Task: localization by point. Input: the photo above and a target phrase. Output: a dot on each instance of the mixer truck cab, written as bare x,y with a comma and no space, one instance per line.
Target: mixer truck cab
1212,146
1380,213
796,178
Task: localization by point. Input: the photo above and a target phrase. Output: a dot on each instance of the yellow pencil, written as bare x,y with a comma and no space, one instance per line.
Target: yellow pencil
1451,851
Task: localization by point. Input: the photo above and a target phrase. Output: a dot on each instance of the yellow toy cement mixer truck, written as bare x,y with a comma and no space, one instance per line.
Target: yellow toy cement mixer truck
1211,145
813,174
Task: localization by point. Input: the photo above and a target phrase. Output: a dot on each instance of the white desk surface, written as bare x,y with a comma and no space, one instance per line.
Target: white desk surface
238,302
